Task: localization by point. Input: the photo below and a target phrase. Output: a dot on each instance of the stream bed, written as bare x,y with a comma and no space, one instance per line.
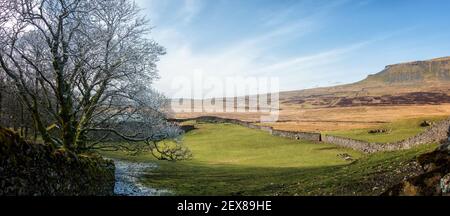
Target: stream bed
127,179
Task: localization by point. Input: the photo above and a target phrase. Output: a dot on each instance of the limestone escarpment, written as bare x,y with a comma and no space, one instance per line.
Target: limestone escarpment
417,71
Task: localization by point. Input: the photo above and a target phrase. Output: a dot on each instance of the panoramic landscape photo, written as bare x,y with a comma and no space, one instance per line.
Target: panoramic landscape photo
232,98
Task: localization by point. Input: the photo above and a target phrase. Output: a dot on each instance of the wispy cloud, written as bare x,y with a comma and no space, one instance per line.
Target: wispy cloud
252,54
189,9
297,64
298,9
170,12
241,57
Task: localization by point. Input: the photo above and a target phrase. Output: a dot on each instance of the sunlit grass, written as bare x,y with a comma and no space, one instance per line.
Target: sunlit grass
233,160
399,130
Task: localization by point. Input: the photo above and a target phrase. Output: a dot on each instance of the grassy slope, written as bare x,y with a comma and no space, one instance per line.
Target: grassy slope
233,160
400,130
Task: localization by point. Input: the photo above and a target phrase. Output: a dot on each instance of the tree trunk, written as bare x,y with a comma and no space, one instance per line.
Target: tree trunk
67,121
1,101
34,133
22,125
26,132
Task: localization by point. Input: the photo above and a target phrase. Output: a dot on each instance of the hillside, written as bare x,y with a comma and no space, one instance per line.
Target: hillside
243,161
400,92
414,72
419,82
412,83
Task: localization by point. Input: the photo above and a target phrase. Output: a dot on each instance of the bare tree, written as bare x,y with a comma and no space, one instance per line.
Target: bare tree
84,68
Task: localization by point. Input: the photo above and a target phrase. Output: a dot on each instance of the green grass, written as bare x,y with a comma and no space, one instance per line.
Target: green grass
235,145
400,130
233,160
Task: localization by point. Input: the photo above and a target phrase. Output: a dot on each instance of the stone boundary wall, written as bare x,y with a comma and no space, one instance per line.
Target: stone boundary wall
315,137
33,169
353,144
437,133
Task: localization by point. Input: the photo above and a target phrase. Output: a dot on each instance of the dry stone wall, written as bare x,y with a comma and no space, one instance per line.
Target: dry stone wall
353,144
34,169
315,137
438,133
297,135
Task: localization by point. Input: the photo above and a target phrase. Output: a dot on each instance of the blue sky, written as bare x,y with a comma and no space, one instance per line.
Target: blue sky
306,43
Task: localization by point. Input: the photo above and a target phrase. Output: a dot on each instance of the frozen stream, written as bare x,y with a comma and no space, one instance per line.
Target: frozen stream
127,179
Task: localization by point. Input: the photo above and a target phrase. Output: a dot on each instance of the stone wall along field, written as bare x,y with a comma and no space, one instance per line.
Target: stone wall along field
437,133
315,137
353,144
297,135
36,169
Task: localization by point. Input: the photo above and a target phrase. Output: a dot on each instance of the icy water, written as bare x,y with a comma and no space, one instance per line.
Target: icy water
127,179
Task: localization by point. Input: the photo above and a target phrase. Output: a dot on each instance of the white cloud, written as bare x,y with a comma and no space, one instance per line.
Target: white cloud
189,10
250,56
240,59
314,60
162,11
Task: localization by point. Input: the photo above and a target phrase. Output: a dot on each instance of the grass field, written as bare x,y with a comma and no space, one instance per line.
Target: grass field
399,130
233,160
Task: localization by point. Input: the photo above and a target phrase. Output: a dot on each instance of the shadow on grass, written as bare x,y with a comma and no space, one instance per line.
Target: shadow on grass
328,148
369,176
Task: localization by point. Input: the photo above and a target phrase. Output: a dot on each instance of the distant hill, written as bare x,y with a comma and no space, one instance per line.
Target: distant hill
414,72
418,82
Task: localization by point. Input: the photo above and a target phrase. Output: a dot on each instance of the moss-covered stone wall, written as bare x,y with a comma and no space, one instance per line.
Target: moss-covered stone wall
37,169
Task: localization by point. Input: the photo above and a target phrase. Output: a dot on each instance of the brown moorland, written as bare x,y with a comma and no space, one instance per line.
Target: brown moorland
400,91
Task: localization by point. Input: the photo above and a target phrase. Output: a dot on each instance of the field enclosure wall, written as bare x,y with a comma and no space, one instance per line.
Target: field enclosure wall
437,133
34,169
315,137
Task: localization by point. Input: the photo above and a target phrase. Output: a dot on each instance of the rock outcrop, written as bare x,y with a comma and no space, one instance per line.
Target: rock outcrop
418,71
37,169
435,179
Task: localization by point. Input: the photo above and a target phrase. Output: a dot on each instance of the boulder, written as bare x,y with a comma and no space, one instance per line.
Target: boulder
187,128
376,131
445,184
345,156
426,123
